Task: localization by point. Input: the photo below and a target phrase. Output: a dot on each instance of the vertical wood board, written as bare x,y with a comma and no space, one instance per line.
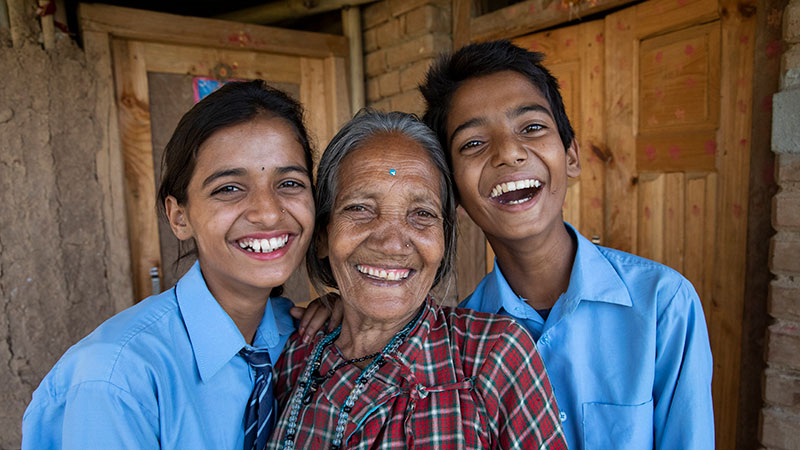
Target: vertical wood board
134,124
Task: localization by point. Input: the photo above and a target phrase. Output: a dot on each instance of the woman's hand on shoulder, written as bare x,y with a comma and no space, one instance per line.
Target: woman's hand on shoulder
326,309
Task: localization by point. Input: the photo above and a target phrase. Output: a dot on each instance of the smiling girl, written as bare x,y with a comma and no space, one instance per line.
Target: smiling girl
178,369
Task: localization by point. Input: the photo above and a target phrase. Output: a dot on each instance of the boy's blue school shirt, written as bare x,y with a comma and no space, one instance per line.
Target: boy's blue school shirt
164,373
626,349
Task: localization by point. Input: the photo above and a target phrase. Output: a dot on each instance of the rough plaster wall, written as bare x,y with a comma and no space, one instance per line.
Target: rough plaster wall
53,286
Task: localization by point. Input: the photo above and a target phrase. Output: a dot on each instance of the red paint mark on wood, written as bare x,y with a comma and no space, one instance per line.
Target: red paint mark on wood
682,2
659,56
773,48
596,202
621,26
531,9
647,212
670,213
689,49
659,93
690,82
680,114
568,42
674,152
652,120
596,68
711,147
742,105
737,210
241,38
695,210
742,82
600,38
650,151
744,39
534,46
743,142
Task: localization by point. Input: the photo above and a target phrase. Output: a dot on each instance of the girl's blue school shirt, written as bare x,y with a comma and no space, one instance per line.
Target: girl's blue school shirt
626,349
164,373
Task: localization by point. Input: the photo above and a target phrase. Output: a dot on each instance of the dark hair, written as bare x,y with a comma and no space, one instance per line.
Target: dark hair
450,71
232,104
366,125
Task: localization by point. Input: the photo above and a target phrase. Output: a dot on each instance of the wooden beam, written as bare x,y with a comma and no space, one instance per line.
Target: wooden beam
134,129
533,15
351,22
288,9
151,26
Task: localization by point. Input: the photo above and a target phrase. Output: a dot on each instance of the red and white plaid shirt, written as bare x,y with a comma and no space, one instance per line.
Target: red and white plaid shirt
461,380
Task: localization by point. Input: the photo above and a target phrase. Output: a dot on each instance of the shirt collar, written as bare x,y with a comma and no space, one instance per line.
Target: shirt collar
214,337
592,278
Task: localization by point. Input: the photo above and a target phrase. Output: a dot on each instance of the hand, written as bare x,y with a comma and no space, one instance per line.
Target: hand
313,318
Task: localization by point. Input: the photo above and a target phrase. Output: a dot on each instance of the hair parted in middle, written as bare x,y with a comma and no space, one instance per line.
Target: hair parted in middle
366,125
450,71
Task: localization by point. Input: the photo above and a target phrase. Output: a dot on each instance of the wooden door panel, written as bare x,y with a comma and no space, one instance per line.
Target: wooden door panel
678,87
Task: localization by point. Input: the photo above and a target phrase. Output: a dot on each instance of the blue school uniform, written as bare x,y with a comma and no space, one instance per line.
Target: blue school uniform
164,373
626,349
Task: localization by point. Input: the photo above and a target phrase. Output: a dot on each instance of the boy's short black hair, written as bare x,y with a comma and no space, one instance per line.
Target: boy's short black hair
475,60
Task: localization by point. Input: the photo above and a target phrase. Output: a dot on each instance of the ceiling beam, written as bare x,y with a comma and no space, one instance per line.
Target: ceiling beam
287,9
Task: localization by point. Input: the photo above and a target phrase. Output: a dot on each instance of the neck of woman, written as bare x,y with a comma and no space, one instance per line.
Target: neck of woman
362,335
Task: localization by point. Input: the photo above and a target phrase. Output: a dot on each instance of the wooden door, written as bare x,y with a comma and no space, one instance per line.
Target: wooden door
666,157
145,47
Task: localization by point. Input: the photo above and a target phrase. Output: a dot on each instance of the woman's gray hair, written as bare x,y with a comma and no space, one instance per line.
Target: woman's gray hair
366,125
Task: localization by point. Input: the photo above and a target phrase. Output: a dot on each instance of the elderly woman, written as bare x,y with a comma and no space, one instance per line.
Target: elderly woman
402,371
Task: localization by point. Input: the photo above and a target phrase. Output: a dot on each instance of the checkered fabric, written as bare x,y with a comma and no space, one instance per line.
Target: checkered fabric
462,380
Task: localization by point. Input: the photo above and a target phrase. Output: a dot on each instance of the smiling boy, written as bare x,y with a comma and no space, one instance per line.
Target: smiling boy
624,339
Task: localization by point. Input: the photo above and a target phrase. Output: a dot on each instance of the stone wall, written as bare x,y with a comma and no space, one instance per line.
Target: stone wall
53,287
401,39
780,417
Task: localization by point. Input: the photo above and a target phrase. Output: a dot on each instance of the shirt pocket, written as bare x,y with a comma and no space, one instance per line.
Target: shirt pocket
617,427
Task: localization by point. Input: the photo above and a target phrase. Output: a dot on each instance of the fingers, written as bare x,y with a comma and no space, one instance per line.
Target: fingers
308,325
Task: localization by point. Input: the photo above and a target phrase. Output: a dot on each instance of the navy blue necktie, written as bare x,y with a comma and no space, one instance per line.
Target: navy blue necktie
259,416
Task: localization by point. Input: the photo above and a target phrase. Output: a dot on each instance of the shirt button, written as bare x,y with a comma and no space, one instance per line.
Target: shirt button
545,340
562,416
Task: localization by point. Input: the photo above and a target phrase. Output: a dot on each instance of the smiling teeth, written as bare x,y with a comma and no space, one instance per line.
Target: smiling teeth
264,245
383,274
502,188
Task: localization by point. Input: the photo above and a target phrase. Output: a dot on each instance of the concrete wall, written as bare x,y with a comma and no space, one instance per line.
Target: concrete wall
53,288
780,417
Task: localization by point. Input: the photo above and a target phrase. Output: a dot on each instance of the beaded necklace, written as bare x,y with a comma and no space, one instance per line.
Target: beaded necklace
309,385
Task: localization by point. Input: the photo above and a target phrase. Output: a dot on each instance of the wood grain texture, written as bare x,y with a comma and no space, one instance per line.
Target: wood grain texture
591,130
674,225
134,130
621,193
532,15
170,28
738,20
208,62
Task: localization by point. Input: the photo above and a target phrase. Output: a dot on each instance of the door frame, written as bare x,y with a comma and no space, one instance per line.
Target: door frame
122,45
724,310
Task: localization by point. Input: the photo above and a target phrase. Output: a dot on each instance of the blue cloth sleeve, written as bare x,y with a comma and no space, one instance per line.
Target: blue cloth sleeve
95,415
683,416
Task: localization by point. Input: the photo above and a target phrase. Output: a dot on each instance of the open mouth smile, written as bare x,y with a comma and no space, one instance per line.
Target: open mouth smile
382,273
263,245
516,192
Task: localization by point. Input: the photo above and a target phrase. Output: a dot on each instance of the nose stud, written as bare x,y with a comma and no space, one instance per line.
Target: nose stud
283,210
